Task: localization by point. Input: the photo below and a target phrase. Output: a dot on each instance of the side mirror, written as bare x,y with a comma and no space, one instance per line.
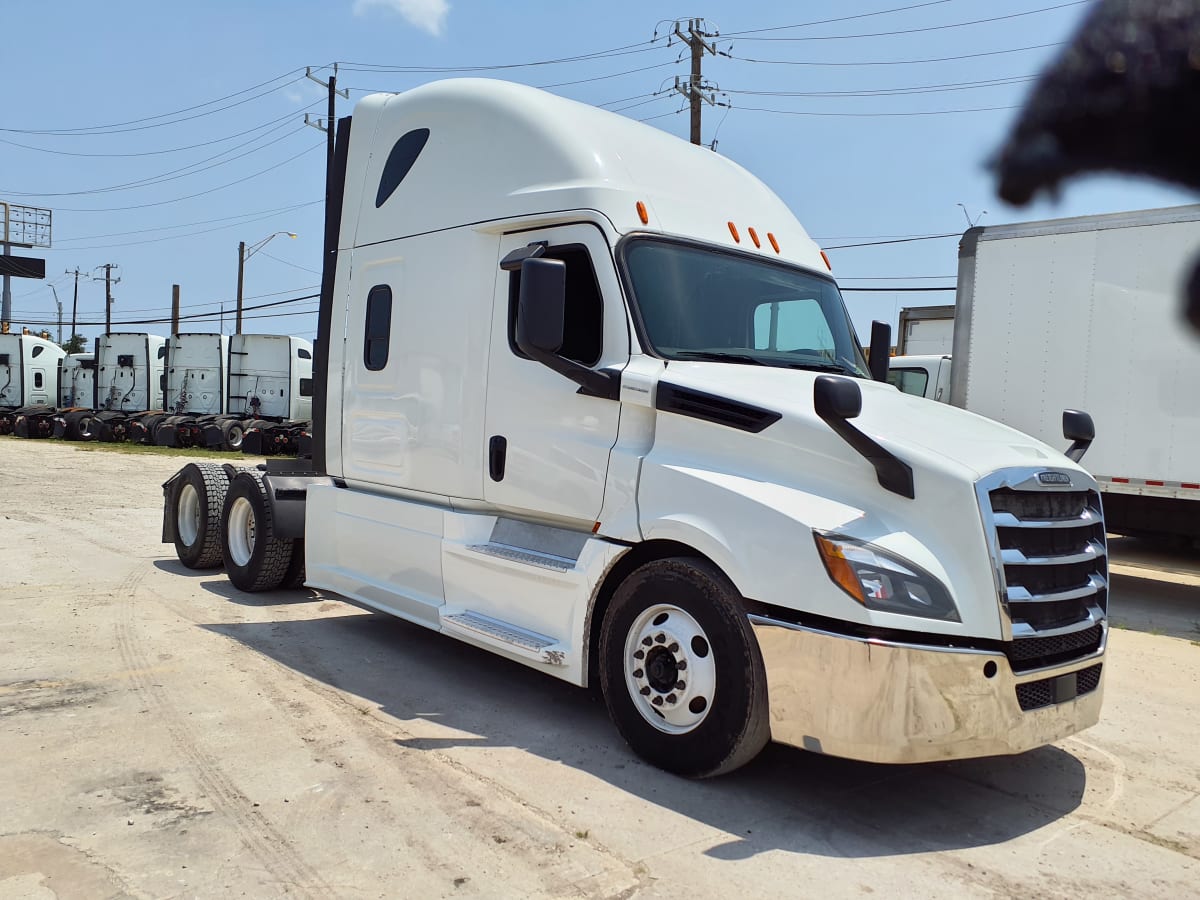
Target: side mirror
836,398
1078,428
541,307
881,350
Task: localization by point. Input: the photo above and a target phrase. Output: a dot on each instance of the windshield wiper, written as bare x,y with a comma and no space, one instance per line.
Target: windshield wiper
824,367
720,357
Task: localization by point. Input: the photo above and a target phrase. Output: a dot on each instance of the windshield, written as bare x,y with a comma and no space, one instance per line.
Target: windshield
700,303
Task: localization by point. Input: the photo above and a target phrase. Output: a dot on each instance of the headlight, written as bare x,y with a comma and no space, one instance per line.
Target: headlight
883,581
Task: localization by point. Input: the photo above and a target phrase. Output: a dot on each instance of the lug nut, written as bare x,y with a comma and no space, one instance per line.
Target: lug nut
657,701
674,647
681,665
679,685
644,691
637,673
671,698
640,654
660,638
646,641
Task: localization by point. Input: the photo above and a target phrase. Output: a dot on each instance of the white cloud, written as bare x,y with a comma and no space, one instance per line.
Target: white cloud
429,15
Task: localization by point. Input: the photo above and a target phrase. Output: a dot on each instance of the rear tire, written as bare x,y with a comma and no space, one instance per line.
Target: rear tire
255,559
85,426
232,433
295,573
195,507
681,671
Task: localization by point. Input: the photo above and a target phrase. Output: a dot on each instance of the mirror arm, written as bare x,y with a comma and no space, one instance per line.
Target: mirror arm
605,383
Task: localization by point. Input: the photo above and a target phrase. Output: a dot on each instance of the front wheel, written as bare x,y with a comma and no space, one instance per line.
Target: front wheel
682,675
255,560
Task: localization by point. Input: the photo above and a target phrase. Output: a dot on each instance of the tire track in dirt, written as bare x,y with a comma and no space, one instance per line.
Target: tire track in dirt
268,844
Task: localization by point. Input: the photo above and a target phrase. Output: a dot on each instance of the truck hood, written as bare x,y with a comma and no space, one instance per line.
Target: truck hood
919,431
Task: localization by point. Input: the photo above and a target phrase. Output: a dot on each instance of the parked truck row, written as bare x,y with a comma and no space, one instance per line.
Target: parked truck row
1081,312
250,392
571,410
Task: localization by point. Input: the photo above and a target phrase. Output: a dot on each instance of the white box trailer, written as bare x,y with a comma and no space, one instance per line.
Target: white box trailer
576,411
1084,313
28,382
925,331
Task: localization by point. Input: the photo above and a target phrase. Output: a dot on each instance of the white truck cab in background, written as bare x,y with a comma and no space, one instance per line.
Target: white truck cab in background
588,397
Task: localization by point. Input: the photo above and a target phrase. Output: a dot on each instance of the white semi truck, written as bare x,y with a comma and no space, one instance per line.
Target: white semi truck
76,377
268,402
588,397
128,385
1083,312
28,383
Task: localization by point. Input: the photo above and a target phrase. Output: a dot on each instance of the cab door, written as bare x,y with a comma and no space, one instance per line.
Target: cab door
547,445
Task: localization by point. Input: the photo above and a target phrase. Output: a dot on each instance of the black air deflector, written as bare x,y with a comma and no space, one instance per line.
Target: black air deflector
404,154
712,408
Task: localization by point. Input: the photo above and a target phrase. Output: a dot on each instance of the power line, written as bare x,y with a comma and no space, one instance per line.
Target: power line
871,115
200,316
901,240
927,28
893,92
192,196
221,140
263,212
174,174
627,50
120,127
893,62
867,15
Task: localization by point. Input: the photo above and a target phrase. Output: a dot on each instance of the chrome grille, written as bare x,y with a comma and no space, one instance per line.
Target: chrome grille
1051,567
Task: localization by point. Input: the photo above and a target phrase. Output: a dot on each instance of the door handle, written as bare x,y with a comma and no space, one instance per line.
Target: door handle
497,452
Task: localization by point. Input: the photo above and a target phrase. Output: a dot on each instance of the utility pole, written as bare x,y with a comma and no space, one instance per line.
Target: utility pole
75,301
59,304
328,125
694,89
109,281
174,309
241,272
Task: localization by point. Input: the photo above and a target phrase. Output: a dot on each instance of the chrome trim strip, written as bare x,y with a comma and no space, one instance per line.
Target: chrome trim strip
1023,630
756,619
1014,557
1088,517
1096,584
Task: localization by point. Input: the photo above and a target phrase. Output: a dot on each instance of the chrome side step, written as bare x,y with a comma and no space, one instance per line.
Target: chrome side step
527,557
513,638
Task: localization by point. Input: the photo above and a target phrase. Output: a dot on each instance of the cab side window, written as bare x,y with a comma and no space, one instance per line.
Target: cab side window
583,327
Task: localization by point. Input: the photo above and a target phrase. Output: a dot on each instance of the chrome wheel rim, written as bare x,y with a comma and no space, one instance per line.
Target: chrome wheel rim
669,669
241,530
187,520
235,437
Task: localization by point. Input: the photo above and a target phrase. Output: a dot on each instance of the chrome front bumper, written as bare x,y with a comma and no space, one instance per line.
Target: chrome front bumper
902,703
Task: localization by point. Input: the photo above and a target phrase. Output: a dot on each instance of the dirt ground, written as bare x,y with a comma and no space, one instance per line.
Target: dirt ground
163,736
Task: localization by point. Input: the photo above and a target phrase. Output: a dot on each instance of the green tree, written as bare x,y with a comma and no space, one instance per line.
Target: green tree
77,344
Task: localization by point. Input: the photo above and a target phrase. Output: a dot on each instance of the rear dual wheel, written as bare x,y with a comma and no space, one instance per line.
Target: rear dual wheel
255,559
195,505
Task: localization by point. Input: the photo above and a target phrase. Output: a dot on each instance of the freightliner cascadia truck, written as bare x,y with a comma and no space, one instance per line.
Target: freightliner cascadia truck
588,397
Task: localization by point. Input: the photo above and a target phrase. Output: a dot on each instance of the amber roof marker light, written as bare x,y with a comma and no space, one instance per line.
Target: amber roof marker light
754,237
642,214
737,238
774,243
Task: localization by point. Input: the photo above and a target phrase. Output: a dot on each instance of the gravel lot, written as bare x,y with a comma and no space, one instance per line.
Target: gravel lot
164,736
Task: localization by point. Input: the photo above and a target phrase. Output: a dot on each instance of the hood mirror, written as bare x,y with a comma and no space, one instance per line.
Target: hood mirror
1079,428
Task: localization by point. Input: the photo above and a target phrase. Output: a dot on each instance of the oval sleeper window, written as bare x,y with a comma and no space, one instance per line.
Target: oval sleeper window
399,161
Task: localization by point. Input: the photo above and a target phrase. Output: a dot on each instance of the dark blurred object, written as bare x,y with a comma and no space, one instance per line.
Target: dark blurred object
1123,97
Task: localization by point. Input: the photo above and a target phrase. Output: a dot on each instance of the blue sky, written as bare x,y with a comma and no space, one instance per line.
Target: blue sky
162,134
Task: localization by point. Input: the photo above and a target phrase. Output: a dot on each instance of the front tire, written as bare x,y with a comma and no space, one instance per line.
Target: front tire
255,559
195,507
681,672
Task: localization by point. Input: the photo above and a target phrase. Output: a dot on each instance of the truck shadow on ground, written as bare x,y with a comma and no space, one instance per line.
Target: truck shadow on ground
785,800
218,584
